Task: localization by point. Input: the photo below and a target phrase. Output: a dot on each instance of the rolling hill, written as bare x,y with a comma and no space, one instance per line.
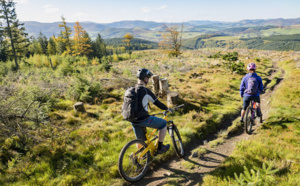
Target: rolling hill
150,30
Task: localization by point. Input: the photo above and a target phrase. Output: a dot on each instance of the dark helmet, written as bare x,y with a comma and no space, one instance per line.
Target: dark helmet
143,73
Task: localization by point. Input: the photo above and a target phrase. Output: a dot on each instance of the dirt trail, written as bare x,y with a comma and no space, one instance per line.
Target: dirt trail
176,169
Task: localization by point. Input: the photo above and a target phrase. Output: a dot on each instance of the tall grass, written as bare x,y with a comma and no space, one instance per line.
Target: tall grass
83,148
277,144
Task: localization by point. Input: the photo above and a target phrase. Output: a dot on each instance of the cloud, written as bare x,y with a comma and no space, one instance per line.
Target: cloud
146,9
162,7
50,9
22,1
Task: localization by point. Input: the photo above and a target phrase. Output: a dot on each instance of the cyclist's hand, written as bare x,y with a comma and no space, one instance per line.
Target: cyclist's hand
171,110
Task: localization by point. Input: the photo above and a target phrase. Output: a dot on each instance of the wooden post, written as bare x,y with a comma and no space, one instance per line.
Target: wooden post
172,99
163,87
51,63
155,83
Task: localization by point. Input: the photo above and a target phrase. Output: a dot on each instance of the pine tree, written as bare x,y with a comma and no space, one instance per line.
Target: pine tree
51,46
81,46
43,41
65,36
3,45
14,31
99,47
60,44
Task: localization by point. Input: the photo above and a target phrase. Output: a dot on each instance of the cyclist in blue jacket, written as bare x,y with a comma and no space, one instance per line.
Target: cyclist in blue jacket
250,89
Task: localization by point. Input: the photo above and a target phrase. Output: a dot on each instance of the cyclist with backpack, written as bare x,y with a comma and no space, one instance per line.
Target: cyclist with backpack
135,110
250,89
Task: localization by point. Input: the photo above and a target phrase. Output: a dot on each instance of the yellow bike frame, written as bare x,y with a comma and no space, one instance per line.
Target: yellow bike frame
151,145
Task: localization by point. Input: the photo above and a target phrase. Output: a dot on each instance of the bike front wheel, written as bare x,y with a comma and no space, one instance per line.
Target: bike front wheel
248,121
134,161
176,140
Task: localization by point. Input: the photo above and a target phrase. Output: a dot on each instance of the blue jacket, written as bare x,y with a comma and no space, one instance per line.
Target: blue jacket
244,84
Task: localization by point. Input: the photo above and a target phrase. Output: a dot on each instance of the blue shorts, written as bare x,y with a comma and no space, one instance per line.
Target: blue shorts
247,99
152,122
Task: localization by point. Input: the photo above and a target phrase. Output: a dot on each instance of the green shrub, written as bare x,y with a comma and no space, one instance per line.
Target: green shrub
105,65
256,176
83,90
230,56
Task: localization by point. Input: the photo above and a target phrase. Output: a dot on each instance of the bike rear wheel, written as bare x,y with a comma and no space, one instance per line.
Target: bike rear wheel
176,140
132,164
248,121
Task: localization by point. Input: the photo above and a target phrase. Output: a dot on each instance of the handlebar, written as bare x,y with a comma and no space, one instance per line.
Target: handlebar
167,111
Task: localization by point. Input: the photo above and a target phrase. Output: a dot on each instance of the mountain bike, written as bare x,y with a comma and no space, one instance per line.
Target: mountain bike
251,115
136,155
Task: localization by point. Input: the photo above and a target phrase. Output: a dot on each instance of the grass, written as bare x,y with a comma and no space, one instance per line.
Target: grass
276,145
274,81
81,149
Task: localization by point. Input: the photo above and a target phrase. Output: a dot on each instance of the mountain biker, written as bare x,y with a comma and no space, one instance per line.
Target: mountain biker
251,87
144,119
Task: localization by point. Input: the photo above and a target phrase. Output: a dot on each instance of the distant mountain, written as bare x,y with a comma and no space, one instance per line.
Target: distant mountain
133,24
150,30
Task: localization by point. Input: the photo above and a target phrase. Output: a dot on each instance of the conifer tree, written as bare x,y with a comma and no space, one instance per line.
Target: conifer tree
65,36
51,46
60,44
43,42
13,30
3,45
81,39
99,47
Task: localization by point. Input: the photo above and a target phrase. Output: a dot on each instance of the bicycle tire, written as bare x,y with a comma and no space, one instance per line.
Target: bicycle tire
177,141
129,155
248,121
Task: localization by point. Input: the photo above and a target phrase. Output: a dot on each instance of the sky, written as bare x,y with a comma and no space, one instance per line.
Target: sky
107,11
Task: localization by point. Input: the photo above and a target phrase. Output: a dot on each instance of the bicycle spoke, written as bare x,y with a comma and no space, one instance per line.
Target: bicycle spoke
132,166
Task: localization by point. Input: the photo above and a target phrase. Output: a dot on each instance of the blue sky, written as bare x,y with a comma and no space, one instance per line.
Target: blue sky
105,11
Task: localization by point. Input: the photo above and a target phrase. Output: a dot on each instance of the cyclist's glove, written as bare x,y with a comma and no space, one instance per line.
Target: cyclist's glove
170,110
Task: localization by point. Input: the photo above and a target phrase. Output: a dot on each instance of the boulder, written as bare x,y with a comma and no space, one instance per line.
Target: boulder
79,107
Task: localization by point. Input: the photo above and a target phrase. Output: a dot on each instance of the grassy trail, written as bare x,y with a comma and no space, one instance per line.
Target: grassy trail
204,156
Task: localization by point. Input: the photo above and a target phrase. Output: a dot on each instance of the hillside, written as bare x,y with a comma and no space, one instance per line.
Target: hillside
275,42
45,142
149,29
136,43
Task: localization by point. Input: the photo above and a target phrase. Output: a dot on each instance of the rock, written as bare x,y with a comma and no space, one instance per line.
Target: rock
195,155
79,107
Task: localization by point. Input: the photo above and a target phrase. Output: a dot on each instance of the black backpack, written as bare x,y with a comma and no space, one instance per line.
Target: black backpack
130,108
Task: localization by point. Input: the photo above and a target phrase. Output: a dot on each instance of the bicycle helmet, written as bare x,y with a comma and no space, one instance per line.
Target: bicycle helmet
251,66
143,73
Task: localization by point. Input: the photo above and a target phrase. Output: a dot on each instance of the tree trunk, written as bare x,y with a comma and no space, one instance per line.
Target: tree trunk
172,99
163,85
155,82
11,39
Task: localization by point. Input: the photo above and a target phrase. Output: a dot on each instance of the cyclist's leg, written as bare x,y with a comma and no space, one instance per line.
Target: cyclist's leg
139,131
246,102
258,108
161,125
